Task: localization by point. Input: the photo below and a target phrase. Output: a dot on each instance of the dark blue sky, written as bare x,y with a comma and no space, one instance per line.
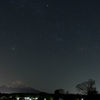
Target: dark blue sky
50,44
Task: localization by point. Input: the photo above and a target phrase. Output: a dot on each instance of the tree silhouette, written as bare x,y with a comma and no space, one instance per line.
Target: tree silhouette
59,91
87,87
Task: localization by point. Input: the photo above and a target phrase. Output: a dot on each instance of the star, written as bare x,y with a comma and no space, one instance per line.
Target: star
13,48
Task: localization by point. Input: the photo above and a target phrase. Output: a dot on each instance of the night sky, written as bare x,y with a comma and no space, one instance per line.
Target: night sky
50,44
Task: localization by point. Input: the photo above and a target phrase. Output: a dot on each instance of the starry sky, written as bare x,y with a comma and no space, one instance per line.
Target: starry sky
50,44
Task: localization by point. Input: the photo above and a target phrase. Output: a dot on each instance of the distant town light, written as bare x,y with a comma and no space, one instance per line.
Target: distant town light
27,98
44,98
36,98
82,99
60,99
18,98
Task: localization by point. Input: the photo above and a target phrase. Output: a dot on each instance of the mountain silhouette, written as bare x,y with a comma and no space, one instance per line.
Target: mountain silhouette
17,87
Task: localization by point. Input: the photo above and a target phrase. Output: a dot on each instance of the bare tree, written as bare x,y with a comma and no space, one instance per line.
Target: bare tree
87,87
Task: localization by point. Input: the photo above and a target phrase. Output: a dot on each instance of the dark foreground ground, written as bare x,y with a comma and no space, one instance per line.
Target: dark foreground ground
47,96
